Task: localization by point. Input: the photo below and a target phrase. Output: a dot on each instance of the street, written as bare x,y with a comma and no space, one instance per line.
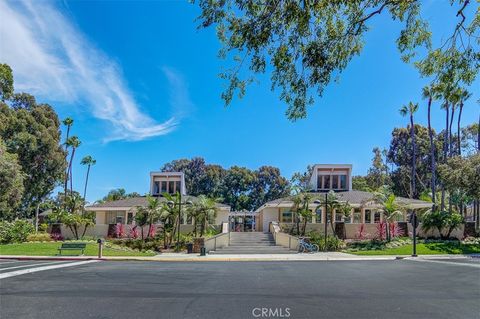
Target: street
329,289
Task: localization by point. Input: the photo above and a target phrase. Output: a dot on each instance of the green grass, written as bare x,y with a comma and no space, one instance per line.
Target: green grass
51,249
425,249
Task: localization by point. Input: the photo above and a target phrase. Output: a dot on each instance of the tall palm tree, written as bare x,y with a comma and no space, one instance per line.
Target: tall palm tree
74,143
68,122
465,95
409,110
89,161
430,93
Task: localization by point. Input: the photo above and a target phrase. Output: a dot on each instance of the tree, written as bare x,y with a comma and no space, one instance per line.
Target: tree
400,155
268,185
72,142
194,170
117,194
236,188
68,122
431,93
389,206
441,220
404,111
202,211
377,175
465,95
300,181
360,183
305,42
11,183
6,82
31,131
89,161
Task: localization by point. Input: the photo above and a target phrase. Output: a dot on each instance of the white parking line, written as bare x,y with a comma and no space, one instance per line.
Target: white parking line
447,263
31,265
31,270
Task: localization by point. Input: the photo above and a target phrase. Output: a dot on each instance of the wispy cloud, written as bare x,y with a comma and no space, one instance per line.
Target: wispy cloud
52,59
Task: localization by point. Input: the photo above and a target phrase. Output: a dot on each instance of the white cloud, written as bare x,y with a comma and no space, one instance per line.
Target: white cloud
53,60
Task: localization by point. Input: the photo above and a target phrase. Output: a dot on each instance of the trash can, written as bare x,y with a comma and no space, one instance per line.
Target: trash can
203,251
189,248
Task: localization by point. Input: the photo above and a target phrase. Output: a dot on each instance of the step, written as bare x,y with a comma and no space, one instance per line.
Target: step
251,251
252,244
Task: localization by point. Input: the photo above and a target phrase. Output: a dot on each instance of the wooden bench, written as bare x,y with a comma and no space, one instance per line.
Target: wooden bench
73,246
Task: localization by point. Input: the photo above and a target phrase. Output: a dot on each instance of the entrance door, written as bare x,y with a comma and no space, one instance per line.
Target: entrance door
244,223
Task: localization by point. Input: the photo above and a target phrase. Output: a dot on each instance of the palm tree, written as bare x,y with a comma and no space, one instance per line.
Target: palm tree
154,211
465,95
68,122
410,109
89,161
206,210
141,218
389,206
301,209
430,93
74,143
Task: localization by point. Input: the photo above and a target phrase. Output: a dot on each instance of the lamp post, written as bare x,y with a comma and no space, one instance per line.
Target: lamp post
172,204
318,202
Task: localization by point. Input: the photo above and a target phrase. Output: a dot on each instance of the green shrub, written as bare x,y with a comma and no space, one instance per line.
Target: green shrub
333,243
15,232
43,227
39,237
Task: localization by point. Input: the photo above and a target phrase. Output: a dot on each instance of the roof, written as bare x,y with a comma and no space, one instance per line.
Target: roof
131,202
354,198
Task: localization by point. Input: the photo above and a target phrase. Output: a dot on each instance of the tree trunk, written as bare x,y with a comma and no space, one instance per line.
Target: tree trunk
450,135
86,183
445,153
36,217
414,156
459,148
70,172
432,155
84,230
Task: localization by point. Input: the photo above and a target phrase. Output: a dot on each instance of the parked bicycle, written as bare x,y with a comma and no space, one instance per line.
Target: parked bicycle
304,247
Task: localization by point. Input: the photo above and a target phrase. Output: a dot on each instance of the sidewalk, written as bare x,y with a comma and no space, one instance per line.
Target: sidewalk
330,256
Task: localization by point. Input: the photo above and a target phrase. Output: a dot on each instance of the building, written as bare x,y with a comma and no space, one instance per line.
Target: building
337,178
109,214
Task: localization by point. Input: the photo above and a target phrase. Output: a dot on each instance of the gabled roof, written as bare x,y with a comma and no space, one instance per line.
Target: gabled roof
132,202
354,198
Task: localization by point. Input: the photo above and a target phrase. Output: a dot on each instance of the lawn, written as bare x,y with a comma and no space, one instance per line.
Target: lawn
425,249
51,249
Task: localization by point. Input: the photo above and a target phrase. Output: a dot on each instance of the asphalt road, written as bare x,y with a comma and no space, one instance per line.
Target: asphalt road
332,289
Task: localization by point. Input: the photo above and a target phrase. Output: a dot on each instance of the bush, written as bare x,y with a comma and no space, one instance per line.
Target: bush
39,237
333,243
43,227
15,232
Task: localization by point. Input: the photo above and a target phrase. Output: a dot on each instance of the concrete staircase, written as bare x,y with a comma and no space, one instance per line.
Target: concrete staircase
251,243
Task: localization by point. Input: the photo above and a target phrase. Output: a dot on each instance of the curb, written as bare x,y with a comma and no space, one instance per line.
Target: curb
50,258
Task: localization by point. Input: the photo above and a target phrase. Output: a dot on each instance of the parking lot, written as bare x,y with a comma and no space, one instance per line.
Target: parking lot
329,289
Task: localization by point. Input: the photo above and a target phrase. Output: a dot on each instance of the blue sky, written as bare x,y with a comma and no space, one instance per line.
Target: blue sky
140,81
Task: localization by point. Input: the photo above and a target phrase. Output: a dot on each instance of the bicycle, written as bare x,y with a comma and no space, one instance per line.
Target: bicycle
303,247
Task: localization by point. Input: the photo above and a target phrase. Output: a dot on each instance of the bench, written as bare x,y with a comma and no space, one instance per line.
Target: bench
73,246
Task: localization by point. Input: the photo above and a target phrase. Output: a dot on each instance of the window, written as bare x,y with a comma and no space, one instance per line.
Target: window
343,181
318,216
115,217
368,216
326,181
319,182
377,217
338,217
334,182
129,218
177,187
163,189
156,188
171,186
357,216
287,217
348,219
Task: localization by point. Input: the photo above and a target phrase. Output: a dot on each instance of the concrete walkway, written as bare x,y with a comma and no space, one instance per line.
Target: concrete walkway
329,256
